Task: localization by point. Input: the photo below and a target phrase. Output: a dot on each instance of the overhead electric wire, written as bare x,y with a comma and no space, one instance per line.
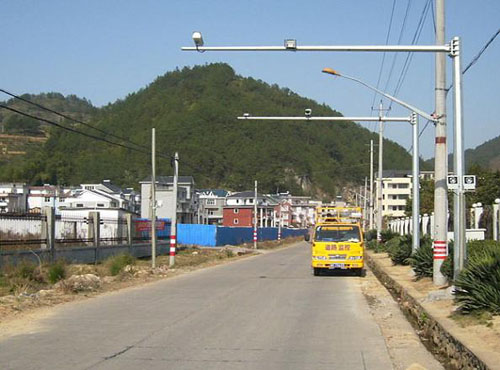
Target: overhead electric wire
408,6
473,61
69,118
77,131
384,54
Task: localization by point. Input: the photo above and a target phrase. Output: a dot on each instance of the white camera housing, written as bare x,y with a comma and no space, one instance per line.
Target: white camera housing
308,112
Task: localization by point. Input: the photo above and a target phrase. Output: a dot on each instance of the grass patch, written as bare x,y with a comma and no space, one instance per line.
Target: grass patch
56,272
475,318
117,263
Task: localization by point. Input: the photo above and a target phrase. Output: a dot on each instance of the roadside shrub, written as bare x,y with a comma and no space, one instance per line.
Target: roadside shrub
371,244
478,285
26,270
399,249
371,235
387,234
56,271
117,263
473,247
422,260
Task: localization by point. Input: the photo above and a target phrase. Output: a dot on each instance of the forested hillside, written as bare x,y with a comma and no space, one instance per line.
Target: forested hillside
194,112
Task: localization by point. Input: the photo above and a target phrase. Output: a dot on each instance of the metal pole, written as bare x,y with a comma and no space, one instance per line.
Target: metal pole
440,230
173,225
153,199
371,185
255,218
279,224
458,159
365,203
374,48
380,169
247,117
416,186
495,219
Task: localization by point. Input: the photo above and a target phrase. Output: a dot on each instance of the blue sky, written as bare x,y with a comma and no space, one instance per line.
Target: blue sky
104,50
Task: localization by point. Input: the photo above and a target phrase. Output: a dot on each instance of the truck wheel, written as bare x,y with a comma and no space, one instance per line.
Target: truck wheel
316,271
360,272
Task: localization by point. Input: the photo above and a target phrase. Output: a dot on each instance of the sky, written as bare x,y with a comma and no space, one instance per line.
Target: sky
105,49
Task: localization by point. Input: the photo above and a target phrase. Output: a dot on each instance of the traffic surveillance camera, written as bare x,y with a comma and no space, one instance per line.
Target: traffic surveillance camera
308,112
198,39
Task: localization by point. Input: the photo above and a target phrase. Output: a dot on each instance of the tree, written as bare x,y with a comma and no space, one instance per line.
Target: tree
17,124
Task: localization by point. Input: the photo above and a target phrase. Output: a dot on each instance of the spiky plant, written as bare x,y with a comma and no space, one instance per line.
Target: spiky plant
399,249
478,285
422,261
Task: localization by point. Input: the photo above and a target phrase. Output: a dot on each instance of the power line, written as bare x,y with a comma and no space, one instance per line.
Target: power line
474,61
69,118
76,131
384,54
408,5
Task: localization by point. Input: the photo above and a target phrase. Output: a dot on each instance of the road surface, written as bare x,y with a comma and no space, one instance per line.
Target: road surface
264,312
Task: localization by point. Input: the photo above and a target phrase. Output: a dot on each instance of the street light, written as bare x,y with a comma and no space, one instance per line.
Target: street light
415,167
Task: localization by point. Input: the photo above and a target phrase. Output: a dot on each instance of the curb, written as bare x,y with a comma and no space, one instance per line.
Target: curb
456,354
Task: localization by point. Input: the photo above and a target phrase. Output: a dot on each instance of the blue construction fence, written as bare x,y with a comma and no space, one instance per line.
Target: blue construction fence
212,236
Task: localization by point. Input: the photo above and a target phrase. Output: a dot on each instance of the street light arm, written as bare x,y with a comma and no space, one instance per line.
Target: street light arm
390,97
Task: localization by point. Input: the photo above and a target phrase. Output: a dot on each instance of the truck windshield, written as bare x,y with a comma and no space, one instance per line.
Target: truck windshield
337,234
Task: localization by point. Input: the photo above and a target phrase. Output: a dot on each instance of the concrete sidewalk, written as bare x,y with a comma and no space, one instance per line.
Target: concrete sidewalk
474,346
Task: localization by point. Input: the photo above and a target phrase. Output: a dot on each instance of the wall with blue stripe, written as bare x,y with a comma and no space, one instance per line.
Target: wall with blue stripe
211,235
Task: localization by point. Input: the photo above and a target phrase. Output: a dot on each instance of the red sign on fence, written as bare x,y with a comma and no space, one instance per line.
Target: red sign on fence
144,225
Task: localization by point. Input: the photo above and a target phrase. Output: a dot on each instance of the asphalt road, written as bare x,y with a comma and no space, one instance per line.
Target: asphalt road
264,312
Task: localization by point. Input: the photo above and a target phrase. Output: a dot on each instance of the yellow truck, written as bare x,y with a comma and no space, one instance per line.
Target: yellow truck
337,240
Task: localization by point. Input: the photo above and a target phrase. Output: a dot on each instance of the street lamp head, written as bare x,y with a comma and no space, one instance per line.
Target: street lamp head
330,71
497,201
198,39
246,115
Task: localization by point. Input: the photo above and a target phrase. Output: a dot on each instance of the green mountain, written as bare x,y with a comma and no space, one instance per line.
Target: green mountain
486,155
194,112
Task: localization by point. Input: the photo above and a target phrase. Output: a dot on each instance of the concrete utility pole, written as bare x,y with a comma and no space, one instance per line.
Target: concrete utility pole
440,232
365,202
152,197
173,224
371,185
279,224
255,218
380,175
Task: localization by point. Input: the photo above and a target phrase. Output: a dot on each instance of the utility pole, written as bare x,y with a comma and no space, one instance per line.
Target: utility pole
173,224
365,203
440,232
255,218
153,199
380,169
279,224
371,185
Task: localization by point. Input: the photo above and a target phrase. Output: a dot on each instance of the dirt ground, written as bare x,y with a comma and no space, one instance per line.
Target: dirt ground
480,333
403,344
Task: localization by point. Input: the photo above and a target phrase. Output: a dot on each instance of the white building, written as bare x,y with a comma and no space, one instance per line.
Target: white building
13,197
46,196
187,200
396,190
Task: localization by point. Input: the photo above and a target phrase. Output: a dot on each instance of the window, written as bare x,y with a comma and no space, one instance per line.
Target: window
100,204
79,205
211,202
236,221
236,210
47,199
61,199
